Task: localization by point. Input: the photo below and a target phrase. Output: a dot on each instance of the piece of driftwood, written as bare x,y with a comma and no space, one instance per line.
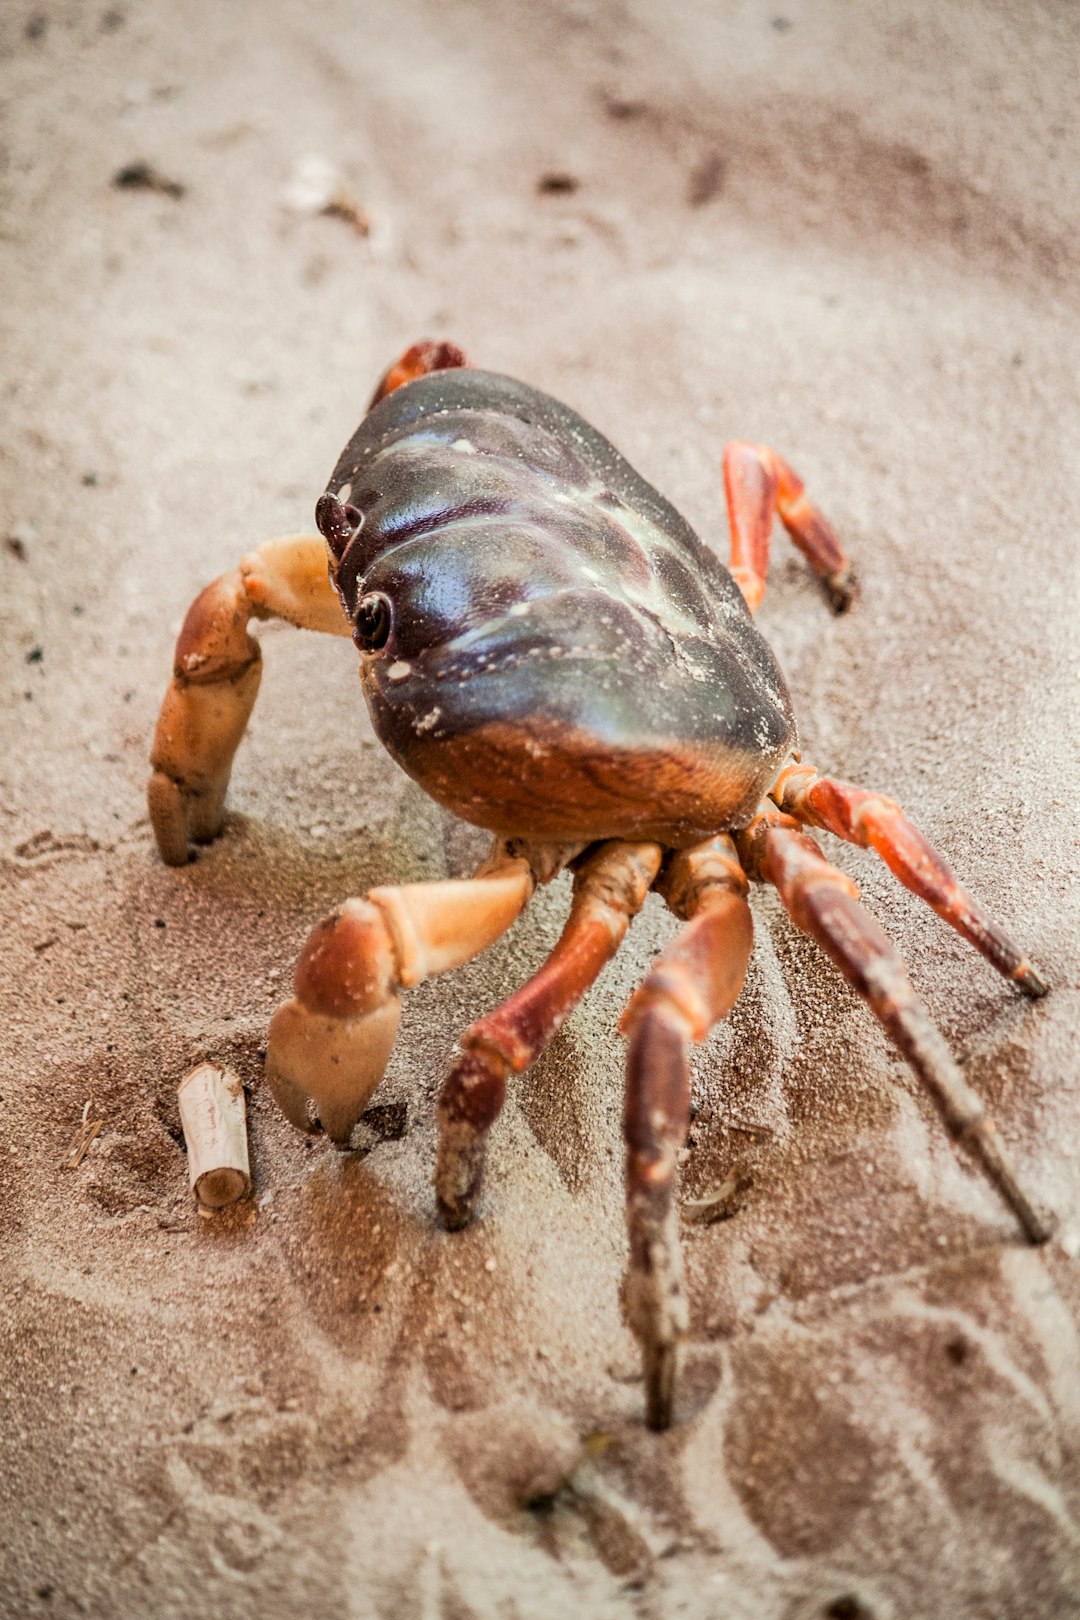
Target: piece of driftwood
214,1117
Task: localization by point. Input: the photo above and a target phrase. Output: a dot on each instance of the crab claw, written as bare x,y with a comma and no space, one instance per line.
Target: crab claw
342,1060
338,1031
330,1044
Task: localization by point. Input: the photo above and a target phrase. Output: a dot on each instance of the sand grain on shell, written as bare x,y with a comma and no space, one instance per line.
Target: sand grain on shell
848,232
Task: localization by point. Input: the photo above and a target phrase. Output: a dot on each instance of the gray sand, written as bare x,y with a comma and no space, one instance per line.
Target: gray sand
847,231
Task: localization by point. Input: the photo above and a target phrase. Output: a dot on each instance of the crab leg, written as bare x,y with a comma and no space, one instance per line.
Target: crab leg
823,902
610,886
759,484
331,1043
875,822
692,985
216,674
418,361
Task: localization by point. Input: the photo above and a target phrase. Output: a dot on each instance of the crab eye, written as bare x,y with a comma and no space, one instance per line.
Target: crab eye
372,624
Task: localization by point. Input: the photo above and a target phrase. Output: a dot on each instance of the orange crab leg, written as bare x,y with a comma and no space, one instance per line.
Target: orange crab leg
692,985
609,888
759,484
823,903
418,361
875,822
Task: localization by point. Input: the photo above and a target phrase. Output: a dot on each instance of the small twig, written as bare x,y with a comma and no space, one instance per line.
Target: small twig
343,207
722,1202
79,1145
758,1132
144,177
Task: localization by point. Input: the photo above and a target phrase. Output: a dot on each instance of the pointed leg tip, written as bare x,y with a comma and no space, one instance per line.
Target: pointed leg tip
1040,1224
841,589
661,1370
454,1216
456,1194
1031,981
459,1170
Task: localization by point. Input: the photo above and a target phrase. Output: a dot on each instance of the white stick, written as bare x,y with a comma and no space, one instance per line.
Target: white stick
214,1118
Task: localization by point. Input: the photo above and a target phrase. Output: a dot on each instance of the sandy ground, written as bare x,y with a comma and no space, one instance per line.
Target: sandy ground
849,231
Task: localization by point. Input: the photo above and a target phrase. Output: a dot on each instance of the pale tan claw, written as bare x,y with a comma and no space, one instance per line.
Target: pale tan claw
341,1060
216,675
329,1046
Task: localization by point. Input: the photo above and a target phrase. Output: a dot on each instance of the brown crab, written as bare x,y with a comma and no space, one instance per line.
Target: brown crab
553,654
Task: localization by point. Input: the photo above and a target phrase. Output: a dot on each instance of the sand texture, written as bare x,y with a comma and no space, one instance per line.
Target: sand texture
849,231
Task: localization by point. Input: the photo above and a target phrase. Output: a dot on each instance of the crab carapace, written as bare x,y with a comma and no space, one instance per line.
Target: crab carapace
552,653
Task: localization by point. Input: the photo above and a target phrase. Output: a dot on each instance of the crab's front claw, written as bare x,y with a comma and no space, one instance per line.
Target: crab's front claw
329,1046
315,1060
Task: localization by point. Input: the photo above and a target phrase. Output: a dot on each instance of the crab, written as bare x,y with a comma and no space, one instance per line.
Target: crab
553,654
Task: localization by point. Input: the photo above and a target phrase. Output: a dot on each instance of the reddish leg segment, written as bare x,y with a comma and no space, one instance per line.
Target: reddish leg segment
693,984
418,361
759,484
823,902
875,822
609,888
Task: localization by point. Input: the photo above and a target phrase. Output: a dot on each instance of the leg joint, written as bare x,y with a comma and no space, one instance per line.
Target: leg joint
474,1092
691,877
348,965
617,877
214,644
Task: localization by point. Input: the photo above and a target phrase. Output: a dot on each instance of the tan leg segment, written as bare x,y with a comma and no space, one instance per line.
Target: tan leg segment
823,902
610,886
216,675
875,822
329,1046
693,984
759,484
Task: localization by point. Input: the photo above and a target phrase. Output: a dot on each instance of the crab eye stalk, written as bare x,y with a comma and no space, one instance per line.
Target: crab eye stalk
372,625
337,523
